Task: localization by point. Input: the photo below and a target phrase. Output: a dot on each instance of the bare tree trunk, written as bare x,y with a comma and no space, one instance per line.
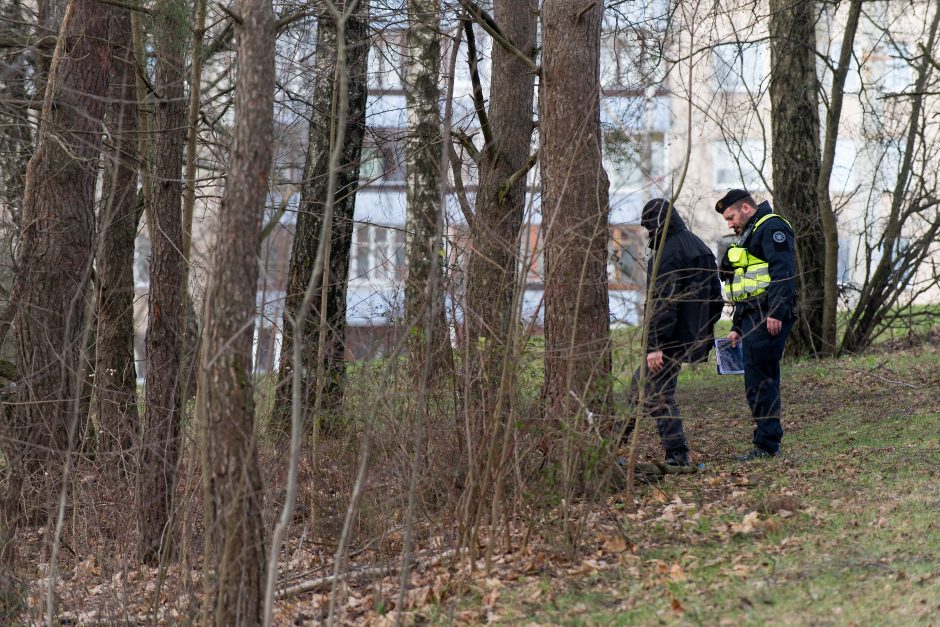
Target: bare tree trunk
828,216
160,438
16,147
424,294
234,554
574,212
54,266
310,216
494,232
796,160
49,18
115,373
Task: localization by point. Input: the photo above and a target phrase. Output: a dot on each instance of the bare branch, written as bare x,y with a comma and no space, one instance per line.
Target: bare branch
459,189
466,141
509,183
231,13
478,102
130,6
486,23
289,19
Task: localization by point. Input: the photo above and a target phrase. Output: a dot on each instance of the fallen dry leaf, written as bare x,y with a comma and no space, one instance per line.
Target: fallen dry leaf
747,525
615,544
677,573
417,597
491,598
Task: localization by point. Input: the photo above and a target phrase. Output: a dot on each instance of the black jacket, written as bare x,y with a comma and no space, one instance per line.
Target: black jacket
774,243
687,297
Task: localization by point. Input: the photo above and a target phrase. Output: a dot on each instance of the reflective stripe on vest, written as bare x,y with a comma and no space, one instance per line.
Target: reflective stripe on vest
751,274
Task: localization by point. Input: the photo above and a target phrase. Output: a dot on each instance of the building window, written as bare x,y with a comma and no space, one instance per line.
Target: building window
378,254
886,157
631,58
267,338
842,180
385,60
626,257
283,204
739,164
739,67
382,161
853,80
890,71
632,161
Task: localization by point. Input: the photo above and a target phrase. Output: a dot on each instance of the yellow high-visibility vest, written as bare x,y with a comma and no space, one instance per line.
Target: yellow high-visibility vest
751,273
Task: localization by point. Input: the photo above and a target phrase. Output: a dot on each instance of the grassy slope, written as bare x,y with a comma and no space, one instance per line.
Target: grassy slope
862,544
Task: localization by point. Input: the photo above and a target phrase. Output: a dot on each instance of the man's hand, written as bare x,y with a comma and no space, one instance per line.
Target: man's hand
735,337
654,361
774,326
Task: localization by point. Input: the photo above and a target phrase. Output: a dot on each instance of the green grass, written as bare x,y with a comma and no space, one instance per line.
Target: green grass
862,456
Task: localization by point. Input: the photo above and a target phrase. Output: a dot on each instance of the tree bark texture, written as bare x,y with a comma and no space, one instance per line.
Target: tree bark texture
54,264
574,212
424,247
313,197
234,554
160,438
492,270
16,147
115,379
796,158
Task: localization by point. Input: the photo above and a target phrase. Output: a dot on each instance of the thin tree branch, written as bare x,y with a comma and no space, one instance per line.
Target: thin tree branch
478,102
377,571
486,23
289,19
231,13
467,143
459,189
130,6
43,43
509,183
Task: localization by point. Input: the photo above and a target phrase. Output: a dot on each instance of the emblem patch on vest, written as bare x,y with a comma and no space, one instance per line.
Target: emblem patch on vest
780,237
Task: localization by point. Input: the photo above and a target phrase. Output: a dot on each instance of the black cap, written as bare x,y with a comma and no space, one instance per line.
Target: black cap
733,196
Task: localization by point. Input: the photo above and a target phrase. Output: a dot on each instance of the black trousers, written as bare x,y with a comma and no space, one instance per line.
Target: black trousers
660,403
762,354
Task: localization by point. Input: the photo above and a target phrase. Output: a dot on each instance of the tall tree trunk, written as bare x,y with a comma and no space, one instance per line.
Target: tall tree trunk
494,233
313,197
796,159
424,294
160,438
234,554
54,266
828,216
574,212
16,146
115,372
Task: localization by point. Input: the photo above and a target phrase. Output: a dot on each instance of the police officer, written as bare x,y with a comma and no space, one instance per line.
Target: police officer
760,275
685,306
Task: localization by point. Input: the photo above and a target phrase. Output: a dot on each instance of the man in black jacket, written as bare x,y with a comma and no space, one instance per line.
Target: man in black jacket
761,283
686,303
